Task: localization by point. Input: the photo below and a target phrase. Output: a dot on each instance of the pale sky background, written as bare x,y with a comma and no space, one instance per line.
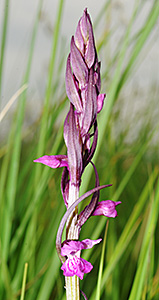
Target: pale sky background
21,19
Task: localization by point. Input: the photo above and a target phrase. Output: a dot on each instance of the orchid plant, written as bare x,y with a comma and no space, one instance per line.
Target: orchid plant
83,85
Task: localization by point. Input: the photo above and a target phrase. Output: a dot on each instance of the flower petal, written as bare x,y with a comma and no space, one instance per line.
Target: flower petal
97,75
90,49
74,146
83,26
76,266
65,186
79,39
89,154
53,161
90,243
79,67
71,247
71,88
106,208
89,104
100,102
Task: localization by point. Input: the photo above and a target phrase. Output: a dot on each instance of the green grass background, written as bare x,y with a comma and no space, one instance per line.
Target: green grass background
126,264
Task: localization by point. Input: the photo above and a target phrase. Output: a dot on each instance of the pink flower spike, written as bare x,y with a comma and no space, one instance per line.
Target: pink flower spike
100,102
53,161
106,208
76,266
72,247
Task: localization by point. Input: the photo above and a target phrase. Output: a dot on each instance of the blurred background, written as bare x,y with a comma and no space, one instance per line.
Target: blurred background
35,41
21,16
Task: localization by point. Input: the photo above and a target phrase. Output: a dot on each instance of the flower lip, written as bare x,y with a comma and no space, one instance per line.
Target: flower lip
76,266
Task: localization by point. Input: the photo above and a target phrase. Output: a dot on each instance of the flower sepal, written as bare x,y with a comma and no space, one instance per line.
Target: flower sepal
53,161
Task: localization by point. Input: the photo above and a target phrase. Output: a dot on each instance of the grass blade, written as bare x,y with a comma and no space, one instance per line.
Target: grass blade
24,281
143,262
3,42
101,263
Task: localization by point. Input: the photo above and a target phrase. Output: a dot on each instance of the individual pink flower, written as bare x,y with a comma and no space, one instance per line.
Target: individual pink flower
106,208
75,265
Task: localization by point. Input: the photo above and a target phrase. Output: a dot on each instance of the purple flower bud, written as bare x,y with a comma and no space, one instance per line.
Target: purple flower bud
106,208
80,69
74,147
83,82
53,161
84,39
97,78
79,41
71,88
90,105
100,102
83,26
90,45
65,186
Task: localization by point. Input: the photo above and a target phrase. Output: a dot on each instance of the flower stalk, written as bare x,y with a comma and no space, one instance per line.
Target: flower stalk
72,287
72,282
